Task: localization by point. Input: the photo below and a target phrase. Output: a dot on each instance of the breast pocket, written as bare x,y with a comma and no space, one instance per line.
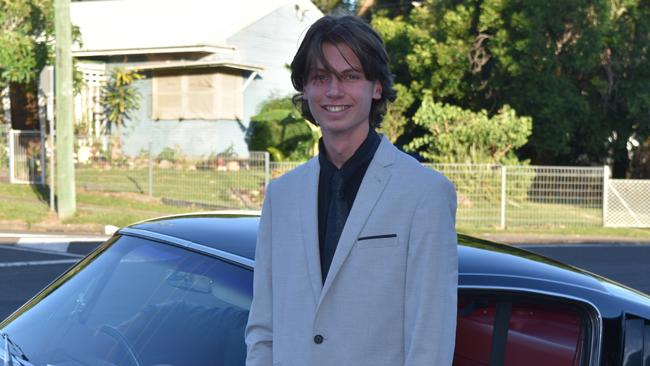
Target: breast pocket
377,241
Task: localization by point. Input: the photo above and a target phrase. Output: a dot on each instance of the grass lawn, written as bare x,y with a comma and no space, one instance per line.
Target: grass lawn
209,188
29,204
486,213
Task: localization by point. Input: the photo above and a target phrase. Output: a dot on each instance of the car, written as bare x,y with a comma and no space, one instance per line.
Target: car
177,290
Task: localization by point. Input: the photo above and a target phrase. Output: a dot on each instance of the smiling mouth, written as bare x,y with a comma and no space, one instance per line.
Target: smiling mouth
335,108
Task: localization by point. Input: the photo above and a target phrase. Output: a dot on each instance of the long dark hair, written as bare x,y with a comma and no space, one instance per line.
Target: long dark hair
366,44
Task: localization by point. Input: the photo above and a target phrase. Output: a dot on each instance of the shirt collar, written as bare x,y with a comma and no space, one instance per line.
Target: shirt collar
362,156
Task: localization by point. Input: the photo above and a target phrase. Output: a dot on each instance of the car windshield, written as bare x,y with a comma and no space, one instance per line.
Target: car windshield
137,302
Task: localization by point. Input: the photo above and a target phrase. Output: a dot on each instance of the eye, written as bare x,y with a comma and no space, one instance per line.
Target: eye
351,77
320,76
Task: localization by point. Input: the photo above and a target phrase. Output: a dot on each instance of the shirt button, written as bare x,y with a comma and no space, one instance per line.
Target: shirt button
318,339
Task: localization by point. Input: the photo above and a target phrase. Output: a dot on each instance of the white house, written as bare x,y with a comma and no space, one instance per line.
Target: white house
208,65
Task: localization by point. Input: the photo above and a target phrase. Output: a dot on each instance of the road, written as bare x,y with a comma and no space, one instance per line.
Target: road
628,264
25,270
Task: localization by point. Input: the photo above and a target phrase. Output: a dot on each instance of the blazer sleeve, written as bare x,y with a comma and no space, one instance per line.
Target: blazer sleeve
259,330
432,280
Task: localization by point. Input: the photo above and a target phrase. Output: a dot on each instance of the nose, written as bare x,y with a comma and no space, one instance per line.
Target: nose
334,88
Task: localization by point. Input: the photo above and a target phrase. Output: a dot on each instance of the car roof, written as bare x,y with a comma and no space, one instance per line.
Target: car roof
482,263
233,232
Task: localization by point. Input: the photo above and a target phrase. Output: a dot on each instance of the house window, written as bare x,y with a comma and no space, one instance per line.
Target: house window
196,94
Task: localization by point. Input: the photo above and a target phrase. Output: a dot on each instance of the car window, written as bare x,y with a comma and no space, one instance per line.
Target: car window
141,302
636,346
518,330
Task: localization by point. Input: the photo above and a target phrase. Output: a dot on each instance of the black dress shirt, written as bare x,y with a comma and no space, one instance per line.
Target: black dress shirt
353,172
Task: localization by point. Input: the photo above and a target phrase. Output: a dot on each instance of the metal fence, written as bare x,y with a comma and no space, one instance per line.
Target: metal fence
213,182
508,196
478,190
514,196
554,196
26,157
488,195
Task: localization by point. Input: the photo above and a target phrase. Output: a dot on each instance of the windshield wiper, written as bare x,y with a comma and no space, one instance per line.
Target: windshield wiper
11,350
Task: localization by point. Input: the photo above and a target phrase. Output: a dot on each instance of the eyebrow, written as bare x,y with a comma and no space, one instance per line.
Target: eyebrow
346,71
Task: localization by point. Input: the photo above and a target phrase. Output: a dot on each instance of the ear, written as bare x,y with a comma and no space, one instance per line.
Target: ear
376,90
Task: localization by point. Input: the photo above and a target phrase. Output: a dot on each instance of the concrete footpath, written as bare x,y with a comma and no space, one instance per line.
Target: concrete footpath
78,243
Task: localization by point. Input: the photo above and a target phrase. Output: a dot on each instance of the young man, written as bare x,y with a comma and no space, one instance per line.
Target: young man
356,259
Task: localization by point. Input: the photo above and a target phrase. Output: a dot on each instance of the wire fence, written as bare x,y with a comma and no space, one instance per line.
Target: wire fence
213,182
509,196
488,195
478,189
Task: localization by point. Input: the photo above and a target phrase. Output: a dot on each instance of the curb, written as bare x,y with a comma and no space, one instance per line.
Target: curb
61,243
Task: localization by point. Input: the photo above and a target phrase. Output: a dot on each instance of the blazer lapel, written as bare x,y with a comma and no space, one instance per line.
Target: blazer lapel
309,224
372,186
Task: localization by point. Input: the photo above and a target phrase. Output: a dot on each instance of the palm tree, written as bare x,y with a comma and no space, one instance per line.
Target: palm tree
119,99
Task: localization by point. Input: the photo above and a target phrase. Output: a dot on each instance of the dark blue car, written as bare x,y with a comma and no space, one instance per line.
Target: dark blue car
177,290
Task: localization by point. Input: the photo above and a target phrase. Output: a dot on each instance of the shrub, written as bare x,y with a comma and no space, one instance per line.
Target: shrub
280,129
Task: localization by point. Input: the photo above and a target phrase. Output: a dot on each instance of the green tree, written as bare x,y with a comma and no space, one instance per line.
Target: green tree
26,46
623,96
579,68
280,129
119,99
336,6
26,39
395,122
456,135
390,8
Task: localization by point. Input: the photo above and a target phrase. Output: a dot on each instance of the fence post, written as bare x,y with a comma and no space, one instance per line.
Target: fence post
267,168
12,157
502,223
150,172
43,150
606,173
52,167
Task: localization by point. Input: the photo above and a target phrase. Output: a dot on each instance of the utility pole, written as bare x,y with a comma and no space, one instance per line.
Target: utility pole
66,196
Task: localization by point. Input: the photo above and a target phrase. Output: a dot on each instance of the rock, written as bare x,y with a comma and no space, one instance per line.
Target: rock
165,164
233,166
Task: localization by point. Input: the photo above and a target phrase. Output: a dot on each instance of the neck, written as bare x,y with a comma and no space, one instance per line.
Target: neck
340,149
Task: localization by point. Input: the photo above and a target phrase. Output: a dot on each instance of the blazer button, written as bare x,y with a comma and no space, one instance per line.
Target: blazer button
318,339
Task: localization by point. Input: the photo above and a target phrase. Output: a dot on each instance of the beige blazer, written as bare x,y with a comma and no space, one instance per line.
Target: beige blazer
390,295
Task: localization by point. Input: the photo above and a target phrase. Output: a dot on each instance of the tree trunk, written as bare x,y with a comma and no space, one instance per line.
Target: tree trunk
24,106
621,164
116,146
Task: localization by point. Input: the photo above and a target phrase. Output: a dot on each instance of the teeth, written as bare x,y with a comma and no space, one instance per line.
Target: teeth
337,108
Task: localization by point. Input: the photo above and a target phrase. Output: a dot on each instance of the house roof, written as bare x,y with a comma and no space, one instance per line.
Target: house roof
197,64
152,26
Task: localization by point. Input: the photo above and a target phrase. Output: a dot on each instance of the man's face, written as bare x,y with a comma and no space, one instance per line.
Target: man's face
340,99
